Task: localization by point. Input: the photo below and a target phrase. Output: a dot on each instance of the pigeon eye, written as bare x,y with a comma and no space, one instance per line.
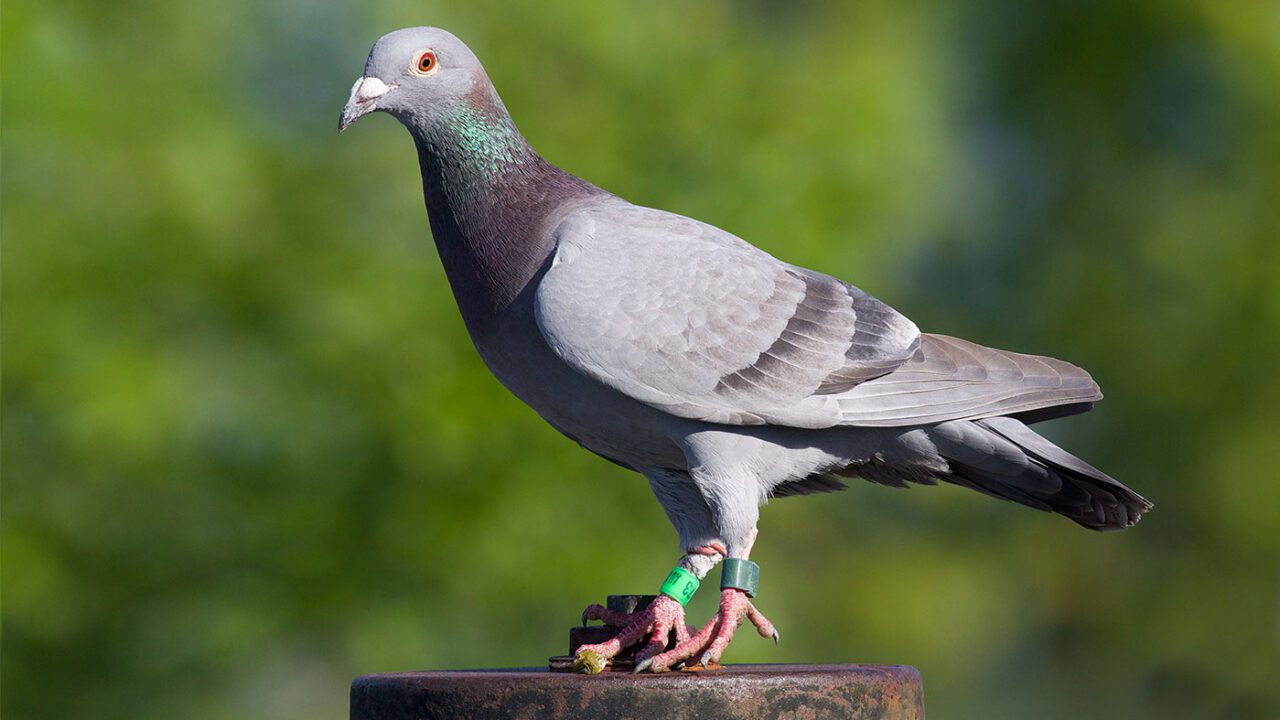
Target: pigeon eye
426,63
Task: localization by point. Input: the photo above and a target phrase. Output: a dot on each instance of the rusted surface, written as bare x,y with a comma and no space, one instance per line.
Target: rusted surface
809,692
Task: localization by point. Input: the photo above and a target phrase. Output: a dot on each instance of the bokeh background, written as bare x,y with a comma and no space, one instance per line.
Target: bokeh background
250,453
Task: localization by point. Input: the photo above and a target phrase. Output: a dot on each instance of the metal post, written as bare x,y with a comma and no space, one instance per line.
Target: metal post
857,692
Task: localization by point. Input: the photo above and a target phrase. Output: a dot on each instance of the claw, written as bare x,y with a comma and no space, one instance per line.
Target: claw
776,636
584,615
644,665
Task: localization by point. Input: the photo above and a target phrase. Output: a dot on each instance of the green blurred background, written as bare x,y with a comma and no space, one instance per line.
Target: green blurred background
250,453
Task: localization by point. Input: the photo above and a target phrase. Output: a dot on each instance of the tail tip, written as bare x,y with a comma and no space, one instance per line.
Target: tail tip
1113,517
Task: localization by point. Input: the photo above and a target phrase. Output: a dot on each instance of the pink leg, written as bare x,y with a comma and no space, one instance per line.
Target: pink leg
658,620
734,604
664,616
607,616
714,637
620,619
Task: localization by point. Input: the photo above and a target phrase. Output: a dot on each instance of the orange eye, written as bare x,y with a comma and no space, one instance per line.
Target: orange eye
426,62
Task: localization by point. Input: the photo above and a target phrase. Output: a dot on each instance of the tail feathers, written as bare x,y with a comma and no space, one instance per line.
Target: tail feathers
1002,457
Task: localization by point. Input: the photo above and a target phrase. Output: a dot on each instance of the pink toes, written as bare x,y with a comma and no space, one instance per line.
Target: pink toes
657,641
682,631
731,611
710,642
763,626
658,620
664,616
607,616
682,651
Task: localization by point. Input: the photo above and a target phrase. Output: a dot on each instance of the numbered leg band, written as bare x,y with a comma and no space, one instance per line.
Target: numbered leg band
741,574
680,585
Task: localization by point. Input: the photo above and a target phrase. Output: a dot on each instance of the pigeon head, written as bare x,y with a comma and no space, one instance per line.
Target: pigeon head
417,75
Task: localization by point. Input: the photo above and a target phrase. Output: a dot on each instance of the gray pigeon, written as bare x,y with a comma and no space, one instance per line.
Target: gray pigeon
723,375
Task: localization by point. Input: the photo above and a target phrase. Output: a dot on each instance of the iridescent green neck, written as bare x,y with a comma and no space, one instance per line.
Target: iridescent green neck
493,143
478,142
489,196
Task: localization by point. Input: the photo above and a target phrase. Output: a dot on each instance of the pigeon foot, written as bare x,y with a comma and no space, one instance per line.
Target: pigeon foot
710,642
663,616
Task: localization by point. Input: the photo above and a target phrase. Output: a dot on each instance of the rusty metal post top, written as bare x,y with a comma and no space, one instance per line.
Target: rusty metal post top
856,692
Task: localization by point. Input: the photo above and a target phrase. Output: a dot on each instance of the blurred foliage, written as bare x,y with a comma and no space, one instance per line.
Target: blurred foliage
249,452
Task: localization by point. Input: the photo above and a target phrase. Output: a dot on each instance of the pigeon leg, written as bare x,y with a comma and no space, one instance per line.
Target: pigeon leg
662,617
714,637
710,642
595,611
657,621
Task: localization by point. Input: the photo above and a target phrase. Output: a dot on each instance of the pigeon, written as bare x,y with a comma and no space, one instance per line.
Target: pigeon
723,375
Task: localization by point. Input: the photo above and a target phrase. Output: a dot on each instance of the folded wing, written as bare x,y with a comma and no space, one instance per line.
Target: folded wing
688,318
692,320
953,379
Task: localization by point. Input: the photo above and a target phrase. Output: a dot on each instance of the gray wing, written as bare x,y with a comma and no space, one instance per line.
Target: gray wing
688,318
953,379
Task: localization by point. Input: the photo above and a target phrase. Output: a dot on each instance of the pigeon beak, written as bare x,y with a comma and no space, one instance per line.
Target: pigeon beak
363,100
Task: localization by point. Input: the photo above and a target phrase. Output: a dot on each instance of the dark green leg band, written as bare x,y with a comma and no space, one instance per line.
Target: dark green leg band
741,574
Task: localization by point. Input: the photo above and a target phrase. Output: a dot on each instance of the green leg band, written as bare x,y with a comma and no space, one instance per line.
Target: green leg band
680,585
741,574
